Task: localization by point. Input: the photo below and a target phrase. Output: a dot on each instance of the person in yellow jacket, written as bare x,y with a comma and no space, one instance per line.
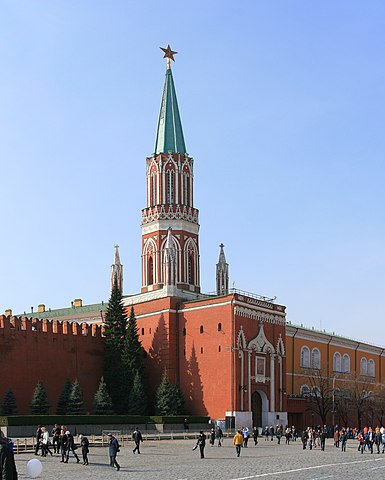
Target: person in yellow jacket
238,442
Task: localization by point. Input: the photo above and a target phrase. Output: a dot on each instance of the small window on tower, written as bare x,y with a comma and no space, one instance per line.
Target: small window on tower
219,349
219,327
142,331
201,329
201,349
184,331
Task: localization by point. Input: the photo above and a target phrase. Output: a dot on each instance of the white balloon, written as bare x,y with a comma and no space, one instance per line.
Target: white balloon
34,468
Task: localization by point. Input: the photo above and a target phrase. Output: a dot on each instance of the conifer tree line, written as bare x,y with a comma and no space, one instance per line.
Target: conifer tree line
123,389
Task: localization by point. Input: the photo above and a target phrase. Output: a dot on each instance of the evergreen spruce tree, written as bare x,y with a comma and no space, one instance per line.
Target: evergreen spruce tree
8,406
115,374
137,400
39,403
102,401
133,356
169,398
76,404
62,404
178,400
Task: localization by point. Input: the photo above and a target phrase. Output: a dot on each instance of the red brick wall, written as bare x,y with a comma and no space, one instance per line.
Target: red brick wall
50,354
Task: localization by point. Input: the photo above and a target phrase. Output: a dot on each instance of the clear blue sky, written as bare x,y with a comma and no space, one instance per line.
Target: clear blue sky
282,105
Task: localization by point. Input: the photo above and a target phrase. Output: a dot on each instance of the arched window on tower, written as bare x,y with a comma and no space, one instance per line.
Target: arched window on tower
170,186
153,189
190,270
337,362
150,273
186,189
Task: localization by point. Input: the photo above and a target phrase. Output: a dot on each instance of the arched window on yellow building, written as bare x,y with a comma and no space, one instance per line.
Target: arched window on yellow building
346,363
363,366
315,359
305,357
371,367
337,362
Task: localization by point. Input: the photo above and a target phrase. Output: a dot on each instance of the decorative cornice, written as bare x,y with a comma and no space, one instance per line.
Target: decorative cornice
259,316
172,212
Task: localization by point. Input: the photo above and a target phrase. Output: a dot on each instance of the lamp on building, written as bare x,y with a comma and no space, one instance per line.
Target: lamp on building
243,388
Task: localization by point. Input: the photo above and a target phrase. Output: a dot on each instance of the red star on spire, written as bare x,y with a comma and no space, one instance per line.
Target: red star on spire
168,53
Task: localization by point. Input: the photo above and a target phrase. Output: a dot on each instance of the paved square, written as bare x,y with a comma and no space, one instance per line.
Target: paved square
175,460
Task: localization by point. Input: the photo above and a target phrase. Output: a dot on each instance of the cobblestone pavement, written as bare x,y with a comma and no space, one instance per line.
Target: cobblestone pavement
175,460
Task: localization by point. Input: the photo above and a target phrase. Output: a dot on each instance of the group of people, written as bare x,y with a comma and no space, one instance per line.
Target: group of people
63,443
314,437
368,438
278,432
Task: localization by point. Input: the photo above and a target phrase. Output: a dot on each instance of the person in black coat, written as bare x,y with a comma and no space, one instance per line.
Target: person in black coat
137,437
201,443
255,435
323,435
84,443
38,436
55,433
70,447
7,461
304,438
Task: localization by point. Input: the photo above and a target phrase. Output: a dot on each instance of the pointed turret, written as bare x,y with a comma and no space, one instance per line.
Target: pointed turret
222,273
170,259
169,135
117,271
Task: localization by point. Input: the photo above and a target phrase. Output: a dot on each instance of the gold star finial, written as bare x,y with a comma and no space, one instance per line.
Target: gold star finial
169,54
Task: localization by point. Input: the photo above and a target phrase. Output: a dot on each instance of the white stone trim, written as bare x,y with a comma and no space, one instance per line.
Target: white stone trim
258,315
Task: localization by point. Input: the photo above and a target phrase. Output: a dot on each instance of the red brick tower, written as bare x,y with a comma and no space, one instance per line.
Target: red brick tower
170,247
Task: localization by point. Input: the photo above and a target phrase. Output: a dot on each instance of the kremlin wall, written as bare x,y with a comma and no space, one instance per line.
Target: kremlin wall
50,351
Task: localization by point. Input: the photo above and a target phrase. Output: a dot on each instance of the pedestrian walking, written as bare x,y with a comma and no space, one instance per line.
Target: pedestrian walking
56,438
113,449
323,436
71,447
38,436
219,435
336,437
238,442
201,442
7,461
185,425
255,435
212,437
137,437
245,432
45,442
304,437
278,433
84,444
63,445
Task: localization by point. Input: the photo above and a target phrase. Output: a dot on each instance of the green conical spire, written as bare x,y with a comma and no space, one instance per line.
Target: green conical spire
169,135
